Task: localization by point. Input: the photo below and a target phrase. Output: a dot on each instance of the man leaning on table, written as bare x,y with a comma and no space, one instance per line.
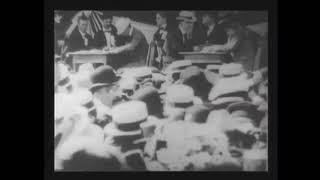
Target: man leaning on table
132,46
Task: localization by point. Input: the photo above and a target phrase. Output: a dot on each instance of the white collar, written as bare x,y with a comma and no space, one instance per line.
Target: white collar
182,31
211,27
163,26
82,34
131,29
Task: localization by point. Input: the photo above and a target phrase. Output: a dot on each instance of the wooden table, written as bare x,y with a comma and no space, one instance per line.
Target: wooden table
202,56
81,57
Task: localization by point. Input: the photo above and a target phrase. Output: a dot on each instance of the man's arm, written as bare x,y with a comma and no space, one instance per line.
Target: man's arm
131,45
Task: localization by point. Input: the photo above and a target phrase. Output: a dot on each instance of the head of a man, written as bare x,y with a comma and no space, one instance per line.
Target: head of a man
107,21
161,18
186,26
83,23
104,84
106,94
209,18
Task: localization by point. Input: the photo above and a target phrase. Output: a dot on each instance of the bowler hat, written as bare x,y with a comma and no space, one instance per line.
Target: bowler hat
103,76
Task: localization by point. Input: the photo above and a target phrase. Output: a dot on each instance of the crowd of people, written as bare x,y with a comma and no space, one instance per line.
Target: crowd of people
141,118
131,115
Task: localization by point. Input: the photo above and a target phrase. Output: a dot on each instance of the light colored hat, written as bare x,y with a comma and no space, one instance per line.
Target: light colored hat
122,24
230,85
214,67
187,16
126,118
178,66
231,69
179,93
86,68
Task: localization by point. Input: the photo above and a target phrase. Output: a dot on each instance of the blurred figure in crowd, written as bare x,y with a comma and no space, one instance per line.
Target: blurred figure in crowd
160,38
124,132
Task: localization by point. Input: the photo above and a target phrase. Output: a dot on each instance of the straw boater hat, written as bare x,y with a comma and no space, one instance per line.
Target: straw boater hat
126,119
181,96
231,69
122,24
188,16
103,76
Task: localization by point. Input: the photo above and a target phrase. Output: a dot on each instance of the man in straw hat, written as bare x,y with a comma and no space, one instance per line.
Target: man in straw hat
104,89
124,132
133,46
178,98
180,39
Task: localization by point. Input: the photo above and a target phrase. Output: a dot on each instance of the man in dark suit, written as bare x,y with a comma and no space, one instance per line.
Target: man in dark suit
182,38
79,38
106,37
215,34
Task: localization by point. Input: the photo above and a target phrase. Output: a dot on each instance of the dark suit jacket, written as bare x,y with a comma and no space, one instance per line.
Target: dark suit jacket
100,39
176,45
217,35
76,43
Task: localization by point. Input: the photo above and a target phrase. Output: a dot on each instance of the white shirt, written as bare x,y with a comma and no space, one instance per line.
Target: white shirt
211,27
101,109
84,37
109,38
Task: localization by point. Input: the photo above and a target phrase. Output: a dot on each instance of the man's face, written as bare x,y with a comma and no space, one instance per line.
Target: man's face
83,24
186,26
107,22
57,18
160,20
205,20
107,94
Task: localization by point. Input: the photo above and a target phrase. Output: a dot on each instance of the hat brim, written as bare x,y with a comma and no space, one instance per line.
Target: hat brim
245,105
111,130
98,85
227,100
180,18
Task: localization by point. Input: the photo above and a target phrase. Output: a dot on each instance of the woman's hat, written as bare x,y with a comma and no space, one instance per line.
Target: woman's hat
188,16
103,76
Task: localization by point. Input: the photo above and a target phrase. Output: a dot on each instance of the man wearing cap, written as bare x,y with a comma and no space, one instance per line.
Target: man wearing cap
181,39
178,98
104,87
79,38
132,46
215,34
124,132
106,38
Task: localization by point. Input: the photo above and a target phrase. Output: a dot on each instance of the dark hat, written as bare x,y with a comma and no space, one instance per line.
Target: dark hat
151,97
197,113
245,106
103,76
250,110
